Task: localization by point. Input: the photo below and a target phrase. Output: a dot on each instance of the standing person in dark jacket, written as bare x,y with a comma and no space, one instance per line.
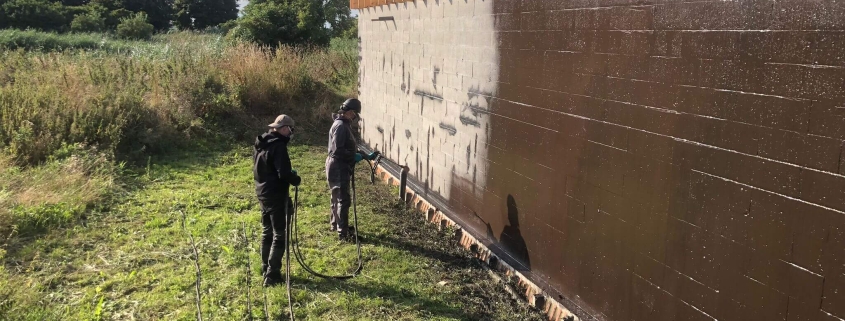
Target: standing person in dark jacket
273,176
343,155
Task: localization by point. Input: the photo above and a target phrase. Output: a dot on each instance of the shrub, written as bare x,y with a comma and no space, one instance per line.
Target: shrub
89,22
47,41
135,27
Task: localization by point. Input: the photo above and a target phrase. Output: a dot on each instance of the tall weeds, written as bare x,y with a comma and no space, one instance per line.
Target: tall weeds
135,103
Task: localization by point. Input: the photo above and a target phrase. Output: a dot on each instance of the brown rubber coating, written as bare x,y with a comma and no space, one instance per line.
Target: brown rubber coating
651,160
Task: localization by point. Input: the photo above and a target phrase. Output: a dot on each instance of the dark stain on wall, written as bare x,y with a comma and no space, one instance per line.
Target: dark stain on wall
405,86
469,121
449,128
360,69
427,95
475,143
422,106
469,156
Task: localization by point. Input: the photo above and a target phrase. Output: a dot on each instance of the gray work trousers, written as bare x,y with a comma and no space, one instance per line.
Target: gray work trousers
338,175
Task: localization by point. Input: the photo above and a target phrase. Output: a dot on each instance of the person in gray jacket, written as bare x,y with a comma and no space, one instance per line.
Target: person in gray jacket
343,155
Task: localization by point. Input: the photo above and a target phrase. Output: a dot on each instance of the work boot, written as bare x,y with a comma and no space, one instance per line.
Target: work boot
268,282
349,236
273,279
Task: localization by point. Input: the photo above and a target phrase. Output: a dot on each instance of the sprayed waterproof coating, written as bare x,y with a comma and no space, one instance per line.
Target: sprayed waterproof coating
646,160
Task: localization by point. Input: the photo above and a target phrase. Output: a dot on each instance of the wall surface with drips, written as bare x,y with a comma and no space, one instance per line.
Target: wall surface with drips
645,160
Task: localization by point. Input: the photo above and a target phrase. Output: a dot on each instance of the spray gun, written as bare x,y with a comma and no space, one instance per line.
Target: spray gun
374,162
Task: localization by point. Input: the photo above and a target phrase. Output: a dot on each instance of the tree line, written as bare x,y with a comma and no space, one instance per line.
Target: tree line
267,22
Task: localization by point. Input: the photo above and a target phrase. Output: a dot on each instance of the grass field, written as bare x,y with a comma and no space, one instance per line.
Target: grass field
134,261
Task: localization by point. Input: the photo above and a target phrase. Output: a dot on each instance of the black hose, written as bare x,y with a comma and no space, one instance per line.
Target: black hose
248,274
266,308
288,219
291,229
298,253
287,258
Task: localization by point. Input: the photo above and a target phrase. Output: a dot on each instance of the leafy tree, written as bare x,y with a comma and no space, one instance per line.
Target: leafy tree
202,14
88,22
75,2
159,12
4,20
111,10
211,13
339,17
182,18
270,22
36,14
72,11
135,27
352,31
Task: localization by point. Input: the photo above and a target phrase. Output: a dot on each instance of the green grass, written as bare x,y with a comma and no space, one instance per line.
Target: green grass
133,260
104,43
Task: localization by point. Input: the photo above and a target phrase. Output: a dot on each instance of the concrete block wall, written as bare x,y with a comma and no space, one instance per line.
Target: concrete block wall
646,160
426,68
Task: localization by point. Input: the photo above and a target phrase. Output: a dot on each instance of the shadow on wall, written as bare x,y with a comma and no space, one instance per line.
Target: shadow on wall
511,238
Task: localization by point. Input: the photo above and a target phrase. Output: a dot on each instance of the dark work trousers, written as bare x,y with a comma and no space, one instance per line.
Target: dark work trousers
274,217
338,175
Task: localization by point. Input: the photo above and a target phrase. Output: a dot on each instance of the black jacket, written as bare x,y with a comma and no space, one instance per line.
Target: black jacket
342,145
271,166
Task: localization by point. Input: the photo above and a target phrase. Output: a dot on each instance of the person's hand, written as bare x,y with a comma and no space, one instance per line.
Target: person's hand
295,180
